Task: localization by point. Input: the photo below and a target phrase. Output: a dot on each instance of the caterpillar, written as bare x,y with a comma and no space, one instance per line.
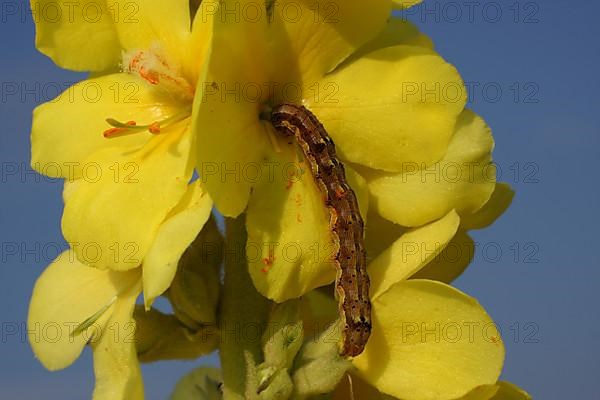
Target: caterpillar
346,223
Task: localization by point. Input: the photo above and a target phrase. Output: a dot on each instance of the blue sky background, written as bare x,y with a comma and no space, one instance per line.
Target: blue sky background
544,59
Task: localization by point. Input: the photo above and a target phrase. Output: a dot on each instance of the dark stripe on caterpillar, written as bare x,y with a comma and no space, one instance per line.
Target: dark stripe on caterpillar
346,224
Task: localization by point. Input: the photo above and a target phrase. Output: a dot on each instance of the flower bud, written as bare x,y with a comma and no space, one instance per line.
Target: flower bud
160,336
194,292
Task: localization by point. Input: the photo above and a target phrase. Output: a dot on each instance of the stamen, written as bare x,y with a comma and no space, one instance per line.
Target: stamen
120,129
151,76
92,319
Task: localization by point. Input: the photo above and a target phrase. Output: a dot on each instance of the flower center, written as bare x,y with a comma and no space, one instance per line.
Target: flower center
153,66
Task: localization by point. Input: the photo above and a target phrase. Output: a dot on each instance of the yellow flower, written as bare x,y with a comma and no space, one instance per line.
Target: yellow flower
419,163
121,185
122,140
84,304
394,108
354,386
429,341
81,305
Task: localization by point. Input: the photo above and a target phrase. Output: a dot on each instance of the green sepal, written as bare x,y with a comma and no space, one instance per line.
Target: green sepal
319,367
284,335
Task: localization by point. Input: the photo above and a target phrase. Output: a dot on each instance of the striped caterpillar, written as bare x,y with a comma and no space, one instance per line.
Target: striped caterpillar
346,223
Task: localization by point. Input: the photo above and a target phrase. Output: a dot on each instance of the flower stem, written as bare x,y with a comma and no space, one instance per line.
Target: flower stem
244,313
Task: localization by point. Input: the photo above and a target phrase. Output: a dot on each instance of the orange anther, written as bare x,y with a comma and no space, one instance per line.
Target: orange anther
113,132
135,61
150,76
268,261
154,128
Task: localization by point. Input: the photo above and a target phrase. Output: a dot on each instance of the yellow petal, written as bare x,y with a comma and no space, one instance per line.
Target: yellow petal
112,221
78,35
352,387
509,391
231,137
464,180
317,35
195,58
289,243
483,392
496,206
451,262
404,4
164,22
397,32
388,129
174,235
381,233
360,188
430,342
116,367
230,156
67,294
501,391
410,253
68,129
